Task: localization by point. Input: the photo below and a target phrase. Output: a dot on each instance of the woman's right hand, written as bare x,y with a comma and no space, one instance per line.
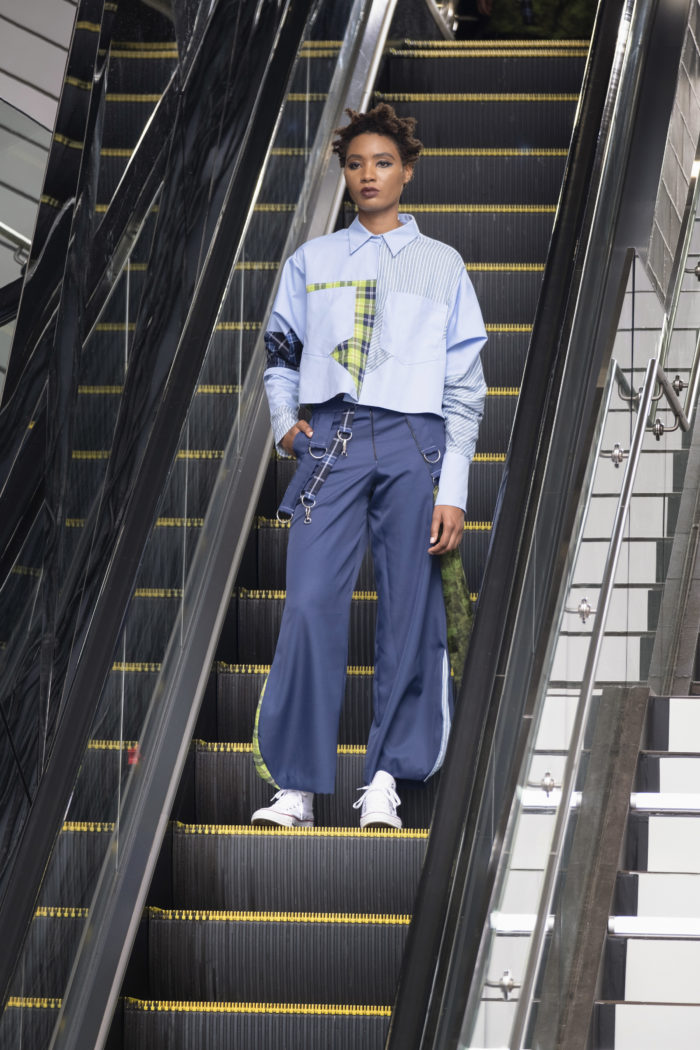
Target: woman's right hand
287,441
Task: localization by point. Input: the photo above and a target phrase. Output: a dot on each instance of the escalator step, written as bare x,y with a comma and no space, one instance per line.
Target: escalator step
507,295
75,863
275,956
246,1026
238,689
272,536
503,357
28,1022
325,869
468,68
517,120
228,789
489,233
260,614
484,175
49,951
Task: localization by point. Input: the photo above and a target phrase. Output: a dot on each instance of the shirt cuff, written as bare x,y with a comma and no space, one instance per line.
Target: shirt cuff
454,477
283,419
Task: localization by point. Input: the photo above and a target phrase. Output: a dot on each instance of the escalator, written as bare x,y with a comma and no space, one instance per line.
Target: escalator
255,936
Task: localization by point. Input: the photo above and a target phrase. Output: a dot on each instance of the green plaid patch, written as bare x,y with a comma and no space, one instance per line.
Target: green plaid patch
352,353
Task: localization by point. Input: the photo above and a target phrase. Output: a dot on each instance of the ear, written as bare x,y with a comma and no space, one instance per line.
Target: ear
407,173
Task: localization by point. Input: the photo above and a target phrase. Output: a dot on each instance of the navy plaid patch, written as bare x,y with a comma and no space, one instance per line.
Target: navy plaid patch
283,351
324,467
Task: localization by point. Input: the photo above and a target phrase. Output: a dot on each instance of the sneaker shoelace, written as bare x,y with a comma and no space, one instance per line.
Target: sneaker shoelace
389,792
286,791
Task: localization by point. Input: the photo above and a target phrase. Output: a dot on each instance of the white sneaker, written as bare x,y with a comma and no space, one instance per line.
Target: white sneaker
291,809
379,802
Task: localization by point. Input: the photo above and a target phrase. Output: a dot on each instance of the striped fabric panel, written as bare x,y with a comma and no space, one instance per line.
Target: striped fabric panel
424,267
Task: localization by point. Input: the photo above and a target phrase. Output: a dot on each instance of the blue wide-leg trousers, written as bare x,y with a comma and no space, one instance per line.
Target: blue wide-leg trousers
381,491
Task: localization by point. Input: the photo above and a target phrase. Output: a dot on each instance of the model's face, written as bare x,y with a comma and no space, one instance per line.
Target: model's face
374,173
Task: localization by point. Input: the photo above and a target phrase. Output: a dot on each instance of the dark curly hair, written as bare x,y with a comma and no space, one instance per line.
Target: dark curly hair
382,120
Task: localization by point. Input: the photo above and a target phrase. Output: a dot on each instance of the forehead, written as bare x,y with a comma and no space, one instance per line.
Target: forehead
370,143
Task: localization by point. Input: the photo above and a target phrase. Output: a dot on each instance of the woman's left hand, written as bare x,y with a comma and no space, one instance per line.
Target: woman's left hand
446,529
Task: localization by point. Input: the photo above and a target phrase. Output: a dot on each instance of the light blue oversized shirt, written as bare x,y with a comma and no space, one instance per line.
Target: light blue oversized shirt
388,320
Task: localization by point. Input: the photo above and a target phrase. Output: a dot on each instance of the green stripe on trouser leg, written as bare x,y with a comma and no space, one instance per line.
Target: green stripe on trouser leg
260,767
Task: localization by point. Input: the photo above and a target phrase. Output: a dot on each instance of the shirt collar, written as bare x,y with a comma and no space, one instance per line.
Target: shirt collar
395,240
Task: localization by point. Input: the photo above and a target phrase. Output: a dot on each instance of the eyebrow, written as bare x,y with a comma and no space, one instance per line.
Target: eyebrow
360,156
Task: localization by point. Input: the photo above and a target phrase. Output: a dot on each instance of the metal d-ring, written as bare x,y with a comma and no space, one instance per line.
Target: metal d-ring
427,458
314,456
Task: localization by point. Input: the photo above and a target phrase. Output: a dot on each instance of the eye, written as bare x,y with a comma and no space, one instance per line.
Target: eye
352,165
384,164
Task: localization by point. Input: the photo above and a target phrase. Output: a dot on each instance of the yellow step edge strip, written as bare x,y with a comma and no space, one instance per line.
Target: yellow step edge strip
33,1003
149,96
112,745
267,593
506,209
89,27
444,209
204,388
61,913
508,327
151,54
320,832
369,596
505,267
84,85
263,265
25,570
221,665
140,666
473,52
115,151
101,209
483,151
224,747
139,45
274,523
71,143
91,826
307,96
158,592
498,45
320,1009
325,918
475,96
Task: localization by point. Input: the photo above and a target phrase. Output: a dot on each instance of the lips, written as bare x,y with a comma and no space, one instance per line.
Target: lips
369,192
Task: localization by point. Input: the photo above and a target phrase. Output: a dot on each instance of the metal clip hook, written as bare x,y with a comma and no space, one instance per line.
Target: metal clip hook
344,436
307,507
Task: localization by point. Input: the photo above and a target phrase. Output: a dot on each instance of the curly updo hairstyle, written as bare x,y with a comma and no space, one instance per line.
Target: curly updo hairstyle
382,120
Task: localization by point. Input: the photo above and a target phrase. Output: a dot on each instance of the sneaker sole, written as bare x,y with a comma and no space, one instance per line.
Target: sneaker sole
280,820
379,821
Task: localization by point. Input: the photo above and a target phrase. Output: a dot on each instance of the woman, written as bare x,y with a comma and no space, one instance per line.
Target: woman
376,327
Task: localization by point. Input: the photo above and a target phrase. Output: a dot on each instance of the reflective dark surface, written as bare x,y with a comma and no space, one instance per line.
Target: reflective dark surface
115,404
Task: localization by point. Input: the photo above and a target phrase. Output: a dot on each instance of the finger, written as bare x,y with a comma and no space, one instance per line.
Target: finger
435,528
305,427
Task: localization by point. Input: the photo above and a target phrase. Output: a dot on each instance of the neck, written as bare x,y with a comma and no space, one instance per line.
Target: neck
380,222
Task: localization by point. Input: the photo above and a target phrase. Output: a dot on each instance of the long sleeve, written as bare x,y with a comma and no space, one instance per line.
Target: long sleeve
463,395
284,343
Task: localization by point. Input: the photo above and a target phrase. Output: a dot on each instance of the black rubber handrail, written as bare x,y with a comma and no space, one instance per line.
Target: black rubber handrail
107,595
